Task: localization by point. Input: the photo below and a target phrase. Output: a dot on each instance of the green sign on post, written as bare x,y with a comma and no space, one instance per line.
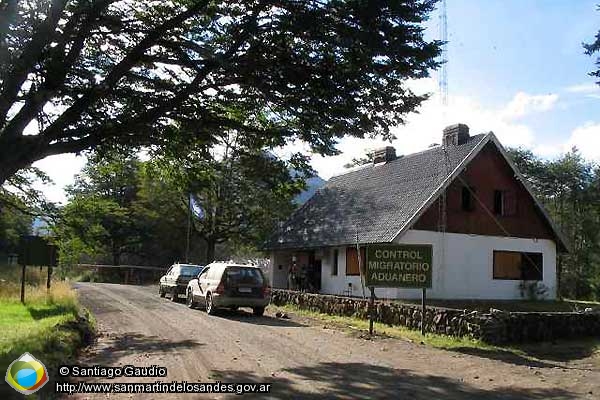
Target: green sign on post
37,251
399,265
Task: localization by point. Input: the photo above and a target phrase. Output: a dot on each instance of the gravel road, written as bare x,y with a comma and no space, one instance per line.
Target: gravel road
302,358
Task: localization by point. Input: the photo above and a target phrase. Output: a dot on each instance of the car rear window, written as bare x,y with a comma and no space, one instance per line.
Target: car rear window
243,276
190,271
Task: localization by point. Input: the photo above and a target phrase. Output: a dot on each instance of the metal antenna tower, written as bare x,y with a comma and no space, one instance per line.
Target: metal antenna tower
443,91
443,71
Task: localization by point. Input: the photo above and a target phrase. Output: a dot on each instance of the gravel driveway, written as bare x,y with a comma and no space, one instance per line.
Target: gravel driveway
301,357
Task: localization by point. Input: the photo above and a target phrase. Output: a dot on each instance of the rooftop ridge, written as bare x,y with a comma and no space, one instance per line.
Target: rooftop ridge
403,157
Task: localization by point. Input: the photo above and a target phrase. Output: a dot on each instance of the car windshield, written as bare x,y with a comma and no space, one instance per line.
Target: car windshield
241,275
190,270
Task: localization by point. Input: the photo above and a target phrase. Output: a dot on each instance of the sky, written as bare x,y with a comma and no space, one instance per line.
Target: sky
515,67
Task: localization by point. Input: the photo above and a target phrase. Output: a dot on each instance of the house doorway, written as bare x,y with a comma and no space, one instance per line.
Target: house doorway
313,276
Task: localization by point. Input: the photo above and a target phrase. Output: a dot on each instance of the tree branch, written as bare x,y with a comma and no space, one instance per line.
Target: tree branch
28,58
118,71
56,70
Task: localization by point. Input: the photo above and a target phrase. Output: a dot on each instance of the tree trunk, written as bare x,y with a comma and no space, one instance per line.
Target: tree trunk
116,254
210,250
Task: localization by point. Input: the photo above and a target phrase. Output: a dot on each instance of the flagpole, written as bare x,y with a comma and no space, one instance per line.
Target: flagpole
189,229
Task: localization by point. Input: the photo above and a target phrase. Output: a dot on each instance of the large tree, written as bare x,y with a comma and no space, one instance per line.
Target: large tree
236,193
85,73
101,217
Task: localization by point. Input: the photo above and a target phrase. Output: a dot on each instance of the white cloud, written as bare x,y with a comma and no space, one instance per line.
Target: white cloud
548,150
523,104
583,88
587,139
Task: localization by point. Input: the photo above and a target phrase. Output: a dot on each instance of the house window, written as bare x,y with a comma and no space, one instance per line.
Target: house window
334,265
352,260
467,203
498,202
505,202
516,265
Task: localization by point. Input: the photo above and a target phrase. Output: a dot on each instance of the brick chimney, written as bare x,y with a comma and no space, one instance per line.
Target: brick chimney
384,155
455,135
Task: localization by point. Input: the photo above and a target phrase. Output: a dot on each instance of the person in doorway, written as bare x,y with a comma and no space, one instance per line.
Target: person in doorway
292,276
302,278
310,279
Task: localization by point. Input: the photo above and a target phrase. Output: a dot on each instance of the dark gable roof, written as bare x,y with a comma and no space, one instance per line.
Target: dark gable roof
375,202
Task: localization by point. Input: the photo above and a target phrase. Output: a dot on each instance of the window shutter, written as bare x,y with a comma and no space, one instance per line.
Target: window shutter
352,260
510,203
507,265
516,265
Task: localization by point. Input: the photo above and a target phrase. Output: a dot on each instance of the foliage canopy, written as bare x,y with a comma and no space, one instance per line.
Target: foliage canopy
75,75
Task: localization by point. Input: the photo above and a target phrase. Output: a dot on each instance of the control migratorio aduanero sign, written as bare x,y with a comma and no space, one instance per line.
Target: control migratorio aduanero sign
399,265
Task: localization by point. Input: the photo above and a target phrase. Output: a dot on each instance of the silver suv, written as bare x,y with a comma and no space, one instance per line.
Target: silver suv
227,285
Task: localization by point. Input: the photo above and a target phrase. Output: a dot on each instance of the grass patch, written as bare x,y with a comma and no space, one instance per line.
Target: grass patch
47,326
399,332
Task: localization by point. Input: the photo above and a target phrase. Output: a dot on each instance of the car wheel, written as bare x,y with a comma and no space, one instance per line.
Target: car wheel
190,300
258,311
161,290
210,307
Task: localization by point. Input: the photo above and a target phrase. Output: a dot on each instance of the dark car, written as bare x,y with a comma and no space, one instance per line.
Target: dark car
225,285
174,282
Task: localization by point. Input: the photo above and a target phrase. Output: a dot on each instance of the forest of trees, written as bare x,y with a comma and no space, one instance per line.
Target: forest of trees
569,188
122,210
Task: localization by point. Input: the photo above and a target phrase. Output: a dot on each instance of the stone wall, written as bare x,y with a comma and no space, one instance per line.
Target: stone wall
495,327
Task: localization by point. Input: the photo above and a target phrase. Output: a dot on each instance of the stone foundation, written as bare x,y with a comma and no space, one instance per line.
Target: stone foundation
494,327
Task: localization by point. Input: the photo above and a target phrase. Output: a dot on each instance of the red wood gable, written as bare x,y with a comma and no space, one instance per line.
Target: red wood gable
487,173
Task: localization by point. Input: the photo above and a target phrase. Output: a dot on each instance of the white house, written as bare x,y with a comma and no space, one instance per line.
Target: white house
490,236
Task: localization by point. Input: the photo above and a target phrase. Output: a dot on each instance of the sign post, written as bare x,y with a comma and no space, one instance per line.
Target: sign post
399,266
49,279
36,251
423,311
371,309
23,283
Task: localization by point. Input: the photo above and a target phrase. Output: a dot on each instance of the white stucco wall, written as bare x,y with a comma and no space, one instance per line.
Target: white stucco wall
278,277
462,267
